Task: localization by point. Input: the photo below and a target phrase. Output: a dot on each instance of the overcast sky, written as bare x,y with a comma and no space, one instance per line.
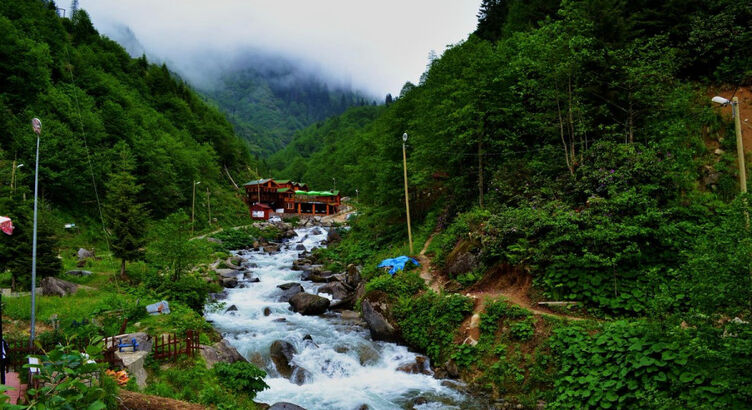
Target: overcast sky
374,45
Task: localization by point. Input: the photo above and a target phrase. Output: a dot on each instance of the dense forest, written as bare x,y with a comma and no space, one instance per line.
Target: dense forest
575,144
97,104
267,99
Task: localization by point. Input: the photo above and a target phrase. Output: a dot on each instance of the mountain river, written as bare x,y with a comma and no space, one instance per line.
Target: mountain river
346,369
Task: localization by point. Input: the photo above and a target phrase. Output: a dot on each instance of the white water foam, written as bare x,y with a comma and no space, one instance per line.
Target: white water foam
346,368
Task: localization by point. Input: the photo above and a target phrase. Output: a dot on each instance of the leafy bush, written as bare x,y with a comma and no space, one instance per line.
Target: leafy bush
522,330
401,284
428,322
639,364
66,375
241,377
496,311
465,355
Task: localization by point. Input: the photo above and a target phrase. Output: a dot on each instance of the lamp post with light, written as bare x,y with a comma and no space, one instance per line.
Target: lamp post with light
193,205
36,125
739,144
407,200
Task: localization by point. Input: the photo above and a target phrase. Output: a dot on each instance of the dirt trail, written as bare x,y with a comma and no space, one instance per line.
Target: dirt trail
426,268
510,284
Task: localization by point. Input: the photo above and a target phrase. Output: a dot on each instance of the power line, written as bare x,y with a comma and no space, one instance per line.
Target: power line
86,147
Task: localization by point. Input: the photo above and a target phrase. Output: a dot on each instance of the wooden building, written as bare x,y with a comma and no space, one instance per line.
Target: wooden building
289,197
261,212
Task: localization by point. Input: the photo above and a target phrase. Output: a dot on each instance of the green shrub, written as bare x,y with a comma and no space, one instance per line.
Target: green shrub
428,322
241,377
401,284
522,330
465,355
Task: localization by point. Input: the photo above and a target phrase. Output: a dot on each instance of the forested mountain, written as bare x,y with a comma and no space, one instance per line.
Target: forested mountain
573,145
268,98
97,104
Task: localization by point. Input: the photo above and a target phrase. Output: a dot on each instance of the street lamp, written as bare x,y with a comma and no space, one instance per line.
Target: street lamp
36,125
193,205
739,144
407,201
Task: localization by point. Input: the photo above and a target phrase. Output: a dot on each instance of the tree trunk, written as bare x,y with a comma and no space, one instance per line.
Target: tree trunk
122,269
573,154
480,173
563,141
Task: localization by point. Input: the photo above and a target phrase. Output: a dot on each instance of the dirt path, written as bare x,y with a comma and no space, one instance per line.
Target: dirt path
426,268
511,285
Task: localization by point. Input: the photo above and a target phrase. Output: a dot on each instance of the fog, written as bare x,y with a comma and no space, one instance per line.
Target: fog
374,46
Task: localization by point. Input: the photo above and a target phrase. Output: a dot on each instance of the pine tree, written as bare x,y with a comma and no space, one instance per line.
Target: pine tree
388,100
126,217
73,7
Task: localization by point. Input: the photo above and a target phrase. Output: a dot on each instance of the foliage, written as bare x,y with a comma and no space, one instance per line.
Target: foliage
522,330
241,377
465,355
233,239
401,284
428,321
170,247
71,380
126,217
638,364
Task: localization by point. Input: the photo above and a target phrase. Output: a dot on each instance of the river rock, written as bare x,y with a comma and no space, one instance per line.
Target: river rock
300,247
267,311
229,282
52,286
307,304
271,248
336,289
379,326
78,273
352,275
289,290
333,236
452,370
281,353
232,308
221,351
300,375
84,253
228,273
283,405
367,355
421,365
316,231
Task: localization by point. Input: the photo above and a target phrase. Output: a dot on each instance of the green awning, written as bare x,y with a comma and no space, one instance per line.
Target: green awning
317,193
283,189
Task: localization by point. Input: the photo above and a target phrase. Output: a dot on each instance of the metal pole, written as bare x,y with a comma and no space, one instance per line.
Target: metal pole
407,200
34,250
208,204
739,145
193,206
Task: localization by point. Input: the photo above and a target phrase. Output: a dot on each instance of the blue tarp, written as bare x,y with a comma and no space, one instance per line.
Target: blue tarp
397,263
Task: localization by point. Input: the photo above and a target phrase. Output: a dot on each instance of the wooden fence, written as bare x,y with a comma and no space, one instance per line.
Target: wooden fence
174,346
18,350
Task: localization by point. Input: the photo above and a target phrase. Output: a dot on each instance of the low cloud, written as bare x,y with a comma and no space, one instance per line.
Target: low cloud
373,46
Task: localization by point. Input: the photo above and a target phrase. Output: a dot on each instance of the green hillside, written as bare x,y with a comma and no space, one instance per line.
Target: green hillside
571,146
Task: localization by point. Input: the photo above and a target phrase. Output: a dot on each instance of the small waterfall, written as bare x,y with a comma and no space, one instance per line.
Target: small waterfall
337,365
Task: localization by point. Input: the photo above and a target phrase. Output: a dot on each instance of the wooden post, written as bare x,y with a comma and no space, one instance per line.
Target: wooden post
407,200
739,146
298,208
313,212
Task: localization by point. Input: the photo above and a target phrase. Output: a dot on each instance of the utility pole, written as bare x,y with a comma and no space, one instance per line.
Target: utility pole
739,145
208,204
407,200
193,205
36,125
480,173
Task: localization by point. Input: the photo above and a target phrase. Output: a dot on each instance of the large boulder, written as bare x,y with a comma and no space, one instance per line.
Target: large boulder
374,313
281,353
352,277
52,286
336,289
300,375
307,304
289,290
229,282
221,351
144,340
78,273
84,254
333,236
134,362
421,365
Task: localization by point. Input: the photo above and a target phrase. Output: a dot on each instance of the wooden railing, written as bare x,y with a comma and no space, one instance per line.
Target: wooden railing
174,346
